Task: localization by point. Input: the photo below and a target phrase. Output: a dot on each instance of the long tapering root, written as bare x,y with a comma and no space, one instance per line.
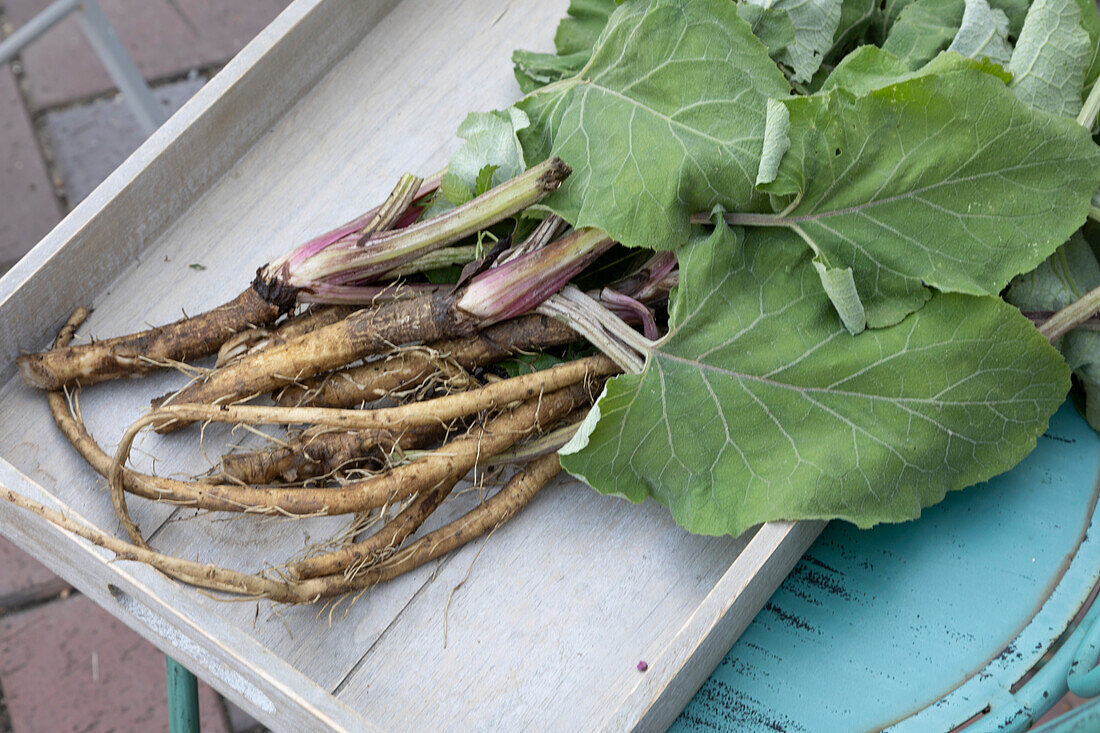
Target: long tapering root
361,334
139,353
350,387
360,565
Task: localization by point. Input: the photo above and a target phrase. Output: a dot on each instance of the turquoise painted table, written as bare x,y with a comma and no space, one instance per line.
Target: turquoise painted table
925,625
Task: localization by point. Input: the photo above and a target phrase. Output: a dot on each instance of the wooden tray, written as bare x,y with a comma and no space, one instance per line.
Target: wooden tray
540,625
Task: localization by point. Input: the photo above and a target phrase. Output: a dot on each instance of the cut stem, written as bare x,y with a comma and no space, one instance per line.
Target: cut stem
385,251
1087,116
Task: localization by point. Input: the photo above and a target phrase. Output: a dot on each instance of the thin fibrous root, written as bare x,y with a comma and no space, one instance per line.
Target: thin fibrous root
378,379
317,453
352,559
380,544
186,339
501,507
458,456
497,510
429,412
227,497
58,403
361,334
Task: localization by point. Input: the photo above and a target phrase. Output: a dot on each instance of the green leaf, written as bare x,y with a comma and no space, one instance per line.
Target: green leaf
869,68
534,70
866,69
815,23
923,29
576,35
840,287
983,33
1090,21
777,141
1015,11
856,17
454,189
1062,279
943,180
582,25
666,120
490,140
759,406
772,26
1051,58
484,180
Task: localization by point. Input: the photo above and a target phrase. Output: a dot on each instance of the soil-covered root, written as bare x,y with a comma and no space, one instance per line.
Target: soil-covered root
156,348
410,368
319,453
429,412
361,334
260,338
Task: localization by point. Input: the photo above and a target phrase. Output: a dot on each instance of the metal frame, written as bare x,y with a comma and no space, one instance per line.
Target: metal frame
107,47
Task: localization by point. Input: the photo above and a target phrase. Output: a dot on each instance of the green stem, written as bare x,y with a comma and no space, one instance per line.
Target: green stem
735,218
1094,213
1072,315
440,258
388,250
1089,111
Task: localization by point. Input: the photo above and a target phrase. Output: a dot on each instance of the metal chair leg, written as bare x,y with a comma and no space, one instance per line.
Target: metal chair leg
107,47
120,67
183,699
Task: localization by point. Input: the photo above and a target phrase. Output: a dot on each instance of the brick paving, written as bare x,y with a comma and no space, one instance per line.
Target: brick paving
28,208
165,38
69,665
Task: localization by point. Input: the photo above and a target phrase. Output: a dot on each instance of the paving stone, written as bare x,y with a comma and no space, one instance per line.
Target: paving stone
70,666
23,579
28,207
240,721
165,38
90,140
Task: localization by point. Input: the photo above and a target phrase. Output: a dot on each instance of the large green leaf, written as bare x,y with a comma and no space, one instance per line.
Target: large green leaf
983,33
1052,57
1062,279
771,25
666,120
576,34
815,23
923,29
1090,21
759,405
582,25
943,180
869,68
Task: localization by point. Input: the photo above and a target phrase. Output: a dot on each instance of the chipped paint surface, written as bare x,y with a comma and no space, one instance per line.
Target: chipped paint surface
928,619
